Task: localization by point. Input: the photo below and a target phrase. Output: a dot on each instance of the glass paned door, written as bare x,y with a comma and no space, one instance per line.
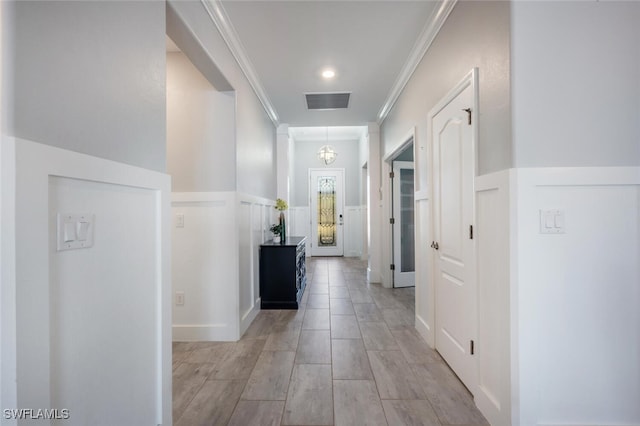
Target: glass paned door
327,217
404,255
327,206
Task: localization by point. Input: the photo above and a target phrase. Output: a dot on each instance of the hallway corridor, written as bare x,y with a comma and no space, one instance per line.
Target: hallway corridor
349,356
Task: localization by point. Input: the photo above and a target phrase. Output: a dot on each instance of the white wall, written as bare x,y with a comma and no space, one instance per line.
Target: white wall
374,207
588,60
255,133
88,77
200,130
306,157
476,34
576,102
8,391
91,78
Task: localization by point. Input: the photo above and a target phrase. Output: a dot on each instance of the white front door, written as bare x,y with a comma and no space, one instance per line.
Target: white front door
404,253
453,174
326,190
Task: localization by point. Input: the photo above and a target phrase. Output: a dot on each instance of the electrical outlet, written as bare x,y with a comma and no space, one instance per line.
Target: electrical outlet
179,298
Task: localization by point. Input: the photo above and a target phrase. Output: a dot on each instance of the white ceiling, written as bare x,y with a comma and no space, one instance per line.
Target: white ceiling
289,43
329,134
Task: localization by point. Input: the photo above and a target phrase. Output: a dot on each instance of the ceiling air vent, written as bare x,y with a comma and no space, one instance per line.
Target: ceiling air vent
327,100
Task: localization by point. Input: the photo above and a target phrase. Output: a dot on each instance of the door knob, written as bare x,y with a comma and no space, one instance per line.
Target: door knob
434,245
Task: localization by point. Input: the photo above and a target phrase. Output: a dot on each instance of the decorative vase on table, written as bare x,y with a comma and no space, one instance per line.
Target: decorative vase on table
281,205
283,229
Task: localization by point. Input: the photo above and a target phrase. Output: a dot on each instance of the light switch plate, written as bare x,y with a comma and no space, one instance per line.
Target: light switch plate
552,221
75,231
179,298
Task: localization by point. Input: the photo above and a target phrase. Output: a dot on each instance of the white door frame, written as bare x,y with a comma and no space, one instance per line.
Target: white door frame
315,250
387,205
471,79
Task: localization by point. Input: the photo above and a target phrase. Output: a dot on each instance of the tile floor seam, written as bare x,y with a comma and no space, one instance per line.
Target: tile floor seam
195,393
395,310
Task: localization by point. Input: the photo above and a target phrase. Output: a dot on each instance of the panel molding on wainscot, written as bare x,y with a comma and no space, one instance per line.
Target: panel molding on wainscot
425,309
72,306
492,234
253,230
215,263
204,266
577,293
353,231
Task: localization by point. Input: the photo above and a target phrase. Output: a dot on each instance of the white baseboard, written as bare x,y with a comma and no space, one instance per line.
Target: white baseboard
374,276
425,331
204,333
250,316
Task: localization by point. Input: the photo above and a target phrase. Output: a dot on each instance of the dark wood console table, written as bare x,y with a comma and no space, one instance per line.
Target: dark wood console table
282,273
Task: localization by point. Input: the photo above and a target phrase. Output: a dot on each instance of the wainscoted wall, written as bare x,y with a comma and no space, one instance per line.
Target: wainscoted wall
215,262
299,219
577,297
354,216
425,313
353,231
102,312
558,325
492,233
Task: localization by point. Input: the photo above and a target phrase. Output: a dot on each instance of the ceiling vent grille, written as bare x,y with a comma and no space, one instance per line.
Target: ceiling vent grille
319,101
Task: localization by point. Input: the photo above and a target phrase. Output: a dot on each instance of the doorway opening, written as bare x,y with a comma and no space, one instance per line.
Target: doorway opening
325,175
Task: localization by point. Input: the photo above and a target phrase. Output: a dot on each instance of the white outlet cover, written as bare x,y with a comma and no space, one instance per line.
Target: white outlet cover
75,231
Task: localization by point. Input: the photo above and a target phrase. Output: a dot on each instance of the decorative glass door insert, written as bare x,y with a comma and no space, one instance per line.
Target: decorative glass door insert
326,194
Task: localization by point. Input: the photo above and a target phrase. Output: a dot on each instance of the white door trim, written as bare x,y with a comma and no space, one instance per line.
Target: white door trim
385,188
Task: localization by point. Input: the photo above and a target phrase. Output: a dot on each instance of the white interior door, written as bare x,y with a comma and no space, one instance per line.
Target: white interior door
326,190
453,174
404,251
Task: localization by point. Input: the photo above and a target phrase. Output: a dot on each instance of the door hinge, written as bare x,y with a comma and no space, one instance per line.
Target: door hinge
471,232
468,111
392,221
472,347
392,267
392,175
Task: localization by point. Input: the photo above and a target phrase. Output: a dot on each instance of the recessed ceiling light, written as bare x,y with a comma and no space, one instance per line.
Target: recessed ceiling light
328,73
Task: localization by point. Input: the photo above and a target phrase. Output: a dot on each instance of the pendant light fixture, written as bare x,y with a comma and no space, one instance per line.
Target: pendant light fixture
327,153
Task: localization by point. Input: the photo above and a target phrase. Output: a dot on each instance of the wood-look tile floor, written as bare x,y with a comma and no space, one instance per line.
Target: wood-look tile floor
349,356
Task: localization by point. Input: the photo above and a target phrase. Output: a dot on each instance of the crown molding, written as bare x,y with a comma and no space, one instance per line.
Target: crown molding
426,37
222,22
